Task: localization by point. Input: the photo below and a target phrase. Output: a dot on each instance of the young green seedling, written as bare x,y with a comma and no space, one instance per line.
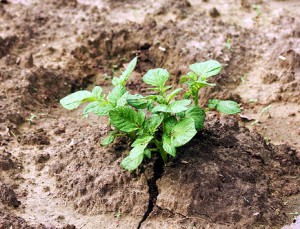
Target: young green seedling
155,123
257,9
228,43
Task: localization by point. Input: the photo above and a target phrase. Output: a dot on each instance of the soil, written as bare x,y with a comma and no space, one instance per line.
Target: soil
239,172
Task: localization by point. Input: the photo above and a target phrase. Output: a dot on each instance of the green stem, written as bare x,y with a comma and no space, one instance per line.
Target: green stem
153,149
195,98
163,153
120,135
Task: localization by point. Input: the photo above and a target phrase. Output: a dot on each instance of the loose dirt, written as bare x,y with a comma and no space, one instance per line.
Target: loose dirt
239,172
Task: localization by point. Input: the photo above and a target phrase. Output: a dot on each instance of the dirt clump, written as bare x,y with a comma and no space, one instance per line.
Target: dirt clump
6,163
39,137
270,78
27,61
42,158
214,12
8,196
6,44
56,168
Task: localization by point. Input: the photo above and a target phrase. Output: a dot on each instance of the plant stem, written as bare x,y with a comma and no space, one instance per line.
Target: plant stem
195,98
162,152
153,149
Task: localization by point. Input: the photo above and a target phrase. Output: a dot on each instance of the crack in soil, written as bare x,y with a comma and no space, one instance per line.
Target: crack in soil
158,169
184,216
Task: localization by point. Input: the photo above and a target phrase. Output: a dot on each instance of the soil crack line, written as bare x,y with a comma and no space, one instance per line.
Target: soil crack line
158,169
184,216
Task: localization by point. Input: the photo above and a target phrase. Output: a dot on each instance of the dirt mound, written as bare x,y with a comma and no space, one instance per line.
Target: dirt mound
46,86
92,180
227,176
163,45
40,88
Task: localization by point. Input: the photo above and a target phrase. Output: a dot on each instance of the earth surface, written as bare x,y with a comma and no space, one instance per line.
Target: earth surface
241,171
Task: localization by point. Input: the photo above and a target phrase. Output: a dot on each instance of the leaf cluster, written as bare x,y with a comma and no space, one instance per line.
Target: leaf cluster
159,122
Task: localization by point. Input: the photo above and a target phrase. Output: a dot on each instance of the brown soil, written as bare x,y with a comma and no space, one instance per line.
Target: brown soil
54,174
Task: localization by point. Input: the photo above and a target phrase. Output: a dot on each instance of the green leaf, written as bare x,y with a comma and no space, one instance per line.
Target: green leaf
190,76
73,100
116,81
137,151
137,101
142,141
150,105
228,107
173,107
198,115
97,93
126,74
161,89
136,155
123,100
124,119
160,108
153,122
172,94
187,95
178,106
147,153
158,98
183,132
104,109
169,123
200,84
141,117
164,89
206,69
212,103
167,138
156,77
131,164
168,146
194,90
91,107
116,94
109,139
181,114
98,108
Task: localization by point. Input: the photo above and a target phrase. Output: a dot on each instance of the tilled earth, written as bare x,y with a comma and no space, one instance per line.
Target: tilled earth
239,172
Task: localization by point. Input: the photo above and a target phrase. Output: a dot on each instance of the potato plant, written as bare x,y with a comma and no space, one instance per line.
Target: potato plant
155,123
